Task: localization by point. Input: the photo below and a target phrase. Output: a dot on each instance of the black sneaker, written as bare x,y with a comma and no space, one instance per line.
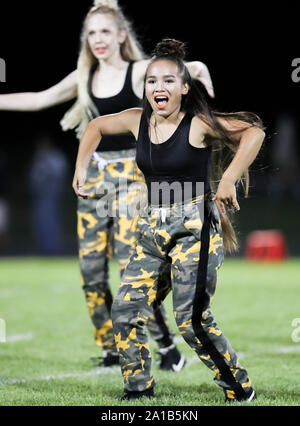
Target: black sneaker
230,396
108,360
171,359
148,393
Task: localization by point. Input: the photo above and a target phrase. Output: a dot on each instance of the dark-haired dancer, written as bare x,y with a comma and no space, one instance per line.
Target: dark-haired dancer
175,132
108,79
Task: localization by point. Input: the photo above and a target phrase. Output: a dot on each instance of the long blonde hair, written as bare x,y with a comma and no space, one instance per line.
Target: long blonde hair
84,110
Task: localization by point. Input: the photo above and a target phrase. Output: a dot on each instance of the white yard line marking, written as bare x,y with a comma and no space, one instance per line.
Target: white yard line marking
79,374
7,294
288,349
14,338
191,361
178,340
115,370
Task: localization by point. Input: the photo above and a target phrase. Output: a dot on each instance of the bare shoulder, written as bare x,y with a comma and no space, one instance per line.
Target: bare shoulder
133,116
123,122
237,127
140,67
233,124
138,76
199,133
201,125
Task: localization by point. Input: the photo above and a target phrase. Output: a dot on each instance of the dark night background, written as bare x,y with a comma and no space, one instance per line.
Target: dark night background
248,49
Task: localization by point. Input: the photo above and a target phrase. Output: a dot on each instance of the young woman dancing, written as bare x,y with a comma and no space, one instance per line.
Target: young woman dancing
176,132
109,78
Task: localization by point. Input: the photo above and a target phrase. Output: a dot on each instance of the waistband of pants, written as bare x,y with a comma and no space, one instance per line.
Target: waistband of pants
176,209
109,157
174,206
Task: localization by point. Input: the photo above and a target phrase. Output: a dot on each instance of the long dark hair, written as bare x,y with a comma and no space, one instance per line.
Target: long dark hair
194,103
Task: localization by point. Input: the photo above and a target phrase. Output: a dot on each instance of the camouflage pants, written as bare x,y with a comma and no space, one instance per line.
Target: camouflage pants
191,243
101,236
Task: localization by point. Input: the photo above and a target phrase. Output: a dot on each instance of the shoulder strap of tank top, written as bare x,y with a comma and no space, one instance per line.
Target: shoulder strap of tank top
143,129
89,88
186,126
128,78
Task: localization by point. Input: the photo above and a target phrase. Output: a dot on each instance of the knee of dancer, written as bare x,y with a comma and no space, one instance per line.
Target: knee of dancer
126,314
191,326
120,312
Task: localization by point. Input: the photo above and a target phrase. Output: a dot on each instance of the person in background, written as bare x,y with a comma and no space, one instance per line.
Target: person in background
47,181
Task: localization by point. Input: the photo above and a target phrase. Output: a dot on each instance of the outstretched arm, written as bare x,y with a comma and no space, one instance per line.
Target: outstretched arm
61,92
199,71
114,124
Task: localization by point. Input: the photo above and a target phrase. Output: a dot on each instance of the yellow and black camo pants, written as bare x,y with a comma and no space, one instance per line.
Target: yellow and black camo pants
101,235
191,243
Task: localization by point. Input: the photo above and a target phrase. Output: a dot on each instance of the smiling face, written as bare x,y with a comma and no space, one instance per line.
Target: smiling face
164,87
103,35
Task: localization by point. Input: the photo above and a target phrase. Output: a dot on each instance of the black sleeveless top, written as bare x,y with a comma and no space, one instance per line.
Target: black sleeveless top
174,162
125,99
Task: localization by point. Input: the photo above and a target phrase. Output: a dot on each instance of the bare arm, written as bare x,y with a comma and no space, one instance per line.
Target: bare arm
138,76
114,124
61,92
249,140
249,145
199,71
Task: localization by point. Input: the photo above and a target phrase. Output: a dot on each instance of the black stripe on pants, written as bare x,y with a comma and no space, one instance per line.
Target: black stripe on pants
166,340
200,302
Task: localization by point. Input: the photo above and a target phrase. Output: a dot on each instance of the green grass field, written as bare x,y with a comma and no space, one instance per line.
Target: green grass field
45,361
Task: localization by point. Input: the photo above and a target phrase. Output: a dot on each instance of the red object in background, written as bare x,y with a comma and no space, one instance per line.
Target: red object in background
266,245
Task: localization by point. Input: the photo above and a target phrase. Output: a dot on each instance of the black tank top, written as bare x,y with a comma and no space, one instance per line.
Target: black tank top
174,162
113,104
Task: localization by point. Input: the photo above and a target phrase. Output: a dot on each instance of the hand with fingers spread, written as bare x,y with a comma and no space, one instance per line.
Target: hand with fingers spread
226,196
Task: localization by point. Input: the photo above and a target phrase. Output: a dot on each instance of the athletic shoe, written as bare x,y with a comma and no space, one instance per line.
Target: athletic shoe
171,359
230,396
108,360
148,393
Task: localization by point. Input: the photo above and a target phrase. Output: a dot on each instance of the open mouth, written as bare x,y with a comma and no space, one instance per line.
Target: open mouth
161,101
100,50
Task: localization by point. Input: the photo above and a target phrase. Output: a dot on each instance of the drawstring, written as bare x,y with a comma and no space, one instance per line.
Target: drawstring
163,214
102,162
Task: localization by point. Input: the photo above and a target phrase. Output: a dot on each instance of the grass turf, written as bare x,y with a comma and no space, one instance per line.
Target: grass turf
45,360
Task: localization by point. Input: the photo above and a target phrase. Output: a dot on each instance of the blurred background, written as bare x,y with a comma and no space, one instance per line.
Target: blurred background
249,53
